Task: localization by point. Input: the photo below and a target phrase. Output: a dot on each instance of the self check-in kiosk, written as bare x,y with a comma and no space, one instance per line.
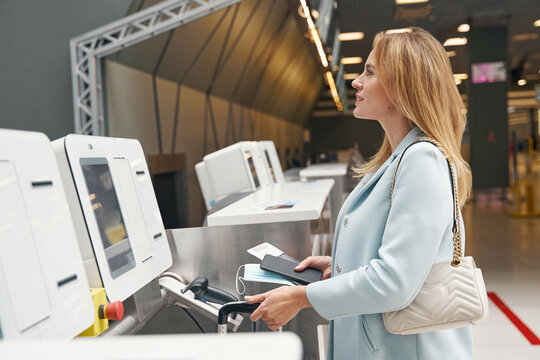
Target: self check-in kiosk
118,222
44,291
243,167
116,211
236,168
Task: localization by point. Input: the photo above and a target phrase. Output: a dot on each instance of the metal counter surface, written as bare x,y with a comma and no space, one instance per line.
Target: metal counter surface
217,253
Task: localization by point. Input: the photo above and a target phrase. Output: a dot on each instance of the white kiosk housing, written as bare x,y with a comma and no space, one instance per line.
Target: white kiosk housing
44,291
206,185
238,167
113,203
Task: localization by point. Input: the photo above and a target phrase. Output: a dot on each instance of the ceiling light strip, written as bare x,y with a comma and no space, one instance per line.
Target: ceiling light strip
314,33
333,90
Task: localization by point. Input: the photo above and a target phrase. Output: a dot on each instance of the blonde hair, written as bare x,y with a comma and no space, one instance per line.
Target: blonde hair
415,72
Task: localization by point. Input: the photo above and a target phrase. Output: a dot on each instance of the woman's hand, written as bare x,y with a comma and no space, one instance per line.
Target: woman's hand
323,263
280,305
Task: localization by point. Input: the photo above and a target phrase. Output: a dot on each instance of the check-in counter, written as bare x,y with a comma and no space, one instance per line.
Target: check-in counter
335,171
262,346
301,202
298,201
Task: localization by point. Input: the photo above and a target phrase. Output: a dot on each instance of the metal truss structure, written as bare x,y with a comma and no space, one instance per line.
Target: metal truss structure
87,51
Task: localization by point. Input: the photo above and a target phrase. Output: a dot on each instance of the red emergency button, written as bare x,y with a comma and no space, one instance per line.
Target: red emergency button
111,311
114,311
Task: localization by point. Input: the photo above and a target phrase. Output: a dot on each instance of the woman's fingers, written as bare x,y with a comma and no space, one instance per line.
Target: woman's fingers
304,264
273,327
256,298
317,262
257,314
259,298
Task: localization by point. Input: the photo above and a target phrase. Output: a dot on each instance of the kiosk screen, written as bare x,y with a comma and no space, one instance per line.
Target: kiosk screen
270,166
112,229
249,158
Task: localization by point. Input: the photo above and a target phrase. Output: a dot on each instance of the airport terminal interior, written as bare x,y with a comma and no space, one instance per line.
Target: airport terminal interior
160,160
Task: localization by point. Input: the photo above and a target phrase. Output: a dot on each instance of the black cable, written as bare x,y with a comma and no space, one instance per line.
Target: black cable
195,321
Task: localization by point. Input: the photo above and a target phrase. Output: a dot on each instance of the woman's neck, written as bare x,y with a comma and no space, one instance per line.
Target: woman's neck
396,129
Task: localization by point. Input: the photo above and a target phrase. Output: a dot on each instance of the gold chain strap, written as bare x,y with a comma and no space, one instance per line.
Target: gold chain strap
458,251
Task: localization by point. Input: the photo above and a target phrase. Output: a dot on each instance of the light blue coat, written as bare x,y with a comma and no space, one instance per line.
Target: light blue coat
382,255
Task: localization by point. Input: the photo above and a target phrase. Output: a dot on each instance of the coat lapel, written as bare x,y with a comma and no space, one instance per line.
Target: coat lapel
373,177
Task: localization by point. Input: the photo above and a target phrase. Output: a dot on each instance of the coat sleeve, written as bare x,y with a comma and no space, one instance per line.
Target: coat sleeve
420,216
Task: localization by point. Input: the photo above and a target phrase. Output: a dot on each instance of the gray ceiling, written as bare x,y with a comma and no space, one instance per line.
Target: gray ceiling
283,75
253,53
372,16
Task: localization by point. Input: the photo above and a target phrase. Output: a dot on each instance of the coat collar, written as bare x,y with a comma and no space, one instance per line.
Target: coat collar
410,138
407,140
370,178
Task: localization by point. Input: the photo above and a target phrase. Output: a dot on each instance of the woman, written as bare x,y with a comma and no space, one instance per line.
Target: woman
383,251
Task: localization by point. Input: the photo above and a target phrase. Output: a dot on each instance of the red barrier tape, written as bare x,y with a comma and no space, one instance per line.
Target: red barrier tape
528,333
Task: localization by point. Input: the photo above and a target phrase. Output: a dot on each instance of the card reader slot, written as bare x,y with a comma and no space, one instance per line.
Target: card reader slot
157,236
140,172
42,183
67,280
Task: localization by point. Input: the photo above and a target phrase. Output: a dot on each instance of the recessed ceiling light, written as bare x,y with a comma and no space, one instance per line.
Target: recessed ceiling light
455,41
351,36
451,53
461,76
397,31
464,28
403,2
522,82
350,76
351,60
537,23
522,37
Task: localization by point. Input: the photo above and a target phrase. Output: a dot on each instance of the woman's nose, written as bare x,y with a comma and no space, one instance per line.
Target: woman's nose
357,84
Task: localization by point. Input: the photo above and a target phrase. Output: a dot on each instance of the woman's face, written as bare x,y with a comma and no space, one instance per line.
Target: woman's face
371,100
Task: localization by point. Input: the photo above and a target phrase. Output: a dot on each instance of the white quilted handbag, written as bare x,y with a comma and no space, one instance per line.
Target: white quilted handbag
453,294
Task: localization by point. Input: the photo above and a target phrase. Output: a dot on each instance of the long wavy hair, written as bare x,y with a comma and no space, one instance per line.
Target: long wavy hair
416,74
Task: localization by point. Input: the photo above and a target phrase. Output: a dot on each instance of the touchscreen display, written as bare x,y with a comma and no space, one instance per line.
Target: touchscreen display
249,158
270,166
112,228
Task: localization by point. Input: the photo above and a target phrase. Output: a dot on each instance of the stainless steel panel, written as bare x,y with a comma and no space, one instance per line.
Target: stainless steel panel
217,252
147,299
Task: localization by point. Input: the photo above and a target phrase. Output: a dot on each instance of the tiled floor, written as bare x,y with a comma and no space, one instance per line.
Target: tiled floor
507,249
